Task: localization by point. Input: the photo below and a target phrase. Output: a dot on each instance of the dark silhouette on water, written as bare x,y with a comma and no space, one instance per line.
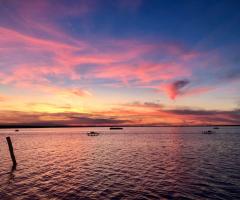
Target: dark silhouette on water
11,174
115,128
208,132
92,133
10,146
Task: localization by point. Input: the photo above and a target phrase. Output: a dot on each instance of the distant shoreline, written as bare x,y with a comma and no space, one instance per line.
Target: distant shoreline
65,126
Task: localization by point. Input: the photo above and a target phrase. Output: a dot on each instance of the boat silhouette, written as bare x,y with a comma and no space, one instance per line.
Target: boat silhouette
93,133
208,132
115,128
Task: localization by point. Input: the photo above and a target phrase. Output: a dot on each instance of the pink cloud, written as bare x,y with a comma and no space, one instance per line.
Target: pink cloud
144,72
80,92
182,88
34,59
38,48
12,39
65,54
200,90
55,90
176,88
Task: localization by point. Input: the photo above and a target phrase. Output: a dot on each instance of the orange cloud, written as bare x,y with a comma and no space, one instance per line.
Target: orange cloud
158,114
136,113
3,98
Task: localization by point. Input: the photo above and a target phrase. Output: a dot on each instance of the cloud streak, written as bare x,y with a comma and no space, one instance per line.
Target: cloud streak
41,58
56,119
121,61
157,114
148,114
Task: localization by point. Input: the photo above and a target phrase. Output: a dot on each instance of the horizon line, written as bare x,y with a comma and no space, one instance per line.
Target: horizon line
92,126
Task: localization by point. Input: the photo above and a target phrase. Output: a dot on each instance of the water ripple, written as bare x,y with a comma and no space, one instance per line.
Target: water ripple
60,164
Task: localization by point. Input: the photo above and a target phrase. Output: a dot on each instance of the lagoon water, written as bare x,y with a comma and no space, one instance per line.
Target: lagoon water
133,163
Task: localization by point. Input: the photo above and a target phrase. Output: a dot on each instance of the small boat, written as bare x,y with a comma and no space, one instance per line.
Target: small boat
208,132
216,128
115,128
16,130
93,133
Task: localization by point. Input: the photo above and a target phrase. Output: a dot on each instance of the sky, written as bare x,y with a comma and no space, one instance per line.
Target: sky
121,62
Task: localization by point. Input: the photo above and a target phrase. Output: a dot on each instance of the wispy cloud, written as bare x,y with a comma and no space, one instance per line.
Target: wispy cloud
40,59
36,60
60,119
158,114
133,113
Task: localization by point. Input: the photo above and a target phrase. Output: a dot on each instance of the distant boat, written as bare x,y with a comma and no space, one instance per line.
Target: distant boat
208,132
216,128
115,128
16,130
93,133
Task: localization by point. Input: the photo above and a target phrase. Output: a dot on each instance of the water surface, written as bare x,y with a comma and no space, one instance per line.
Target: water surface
133,163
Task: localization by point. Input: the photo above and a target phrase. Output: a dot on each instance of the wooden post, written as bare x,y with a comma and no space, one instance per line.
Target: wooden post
10,146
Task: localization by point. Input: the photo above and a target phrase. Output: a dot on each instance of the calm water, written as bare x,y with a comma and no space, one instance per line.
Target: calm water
134,163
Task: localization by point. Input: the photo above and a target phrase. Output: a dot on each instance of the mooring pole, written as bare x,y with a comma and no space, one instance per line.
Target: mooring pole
10,146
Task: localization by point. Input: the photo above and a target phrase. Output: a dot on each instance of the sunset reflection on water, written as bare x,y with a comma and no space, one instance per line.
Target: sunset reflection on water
133,163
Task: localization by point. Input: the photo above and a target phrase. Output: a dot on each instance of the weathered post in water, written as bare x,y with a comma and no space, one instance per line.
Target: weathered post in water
10,146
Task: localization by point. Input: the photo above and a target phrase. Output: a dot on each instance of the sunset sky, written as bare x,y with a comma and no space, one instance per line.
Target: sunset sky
121,62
